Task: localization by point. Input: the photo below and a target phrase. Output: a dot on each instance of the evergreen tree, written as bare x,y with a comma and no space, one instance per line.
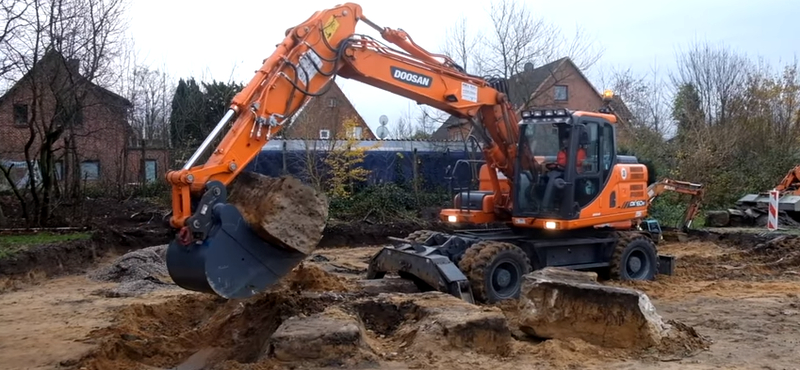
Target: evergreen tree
188,120
687,110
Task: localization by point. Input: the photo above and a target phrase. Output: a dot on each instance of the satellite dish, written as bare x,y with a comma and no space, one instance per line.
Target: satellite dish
382,132
528,67
383,120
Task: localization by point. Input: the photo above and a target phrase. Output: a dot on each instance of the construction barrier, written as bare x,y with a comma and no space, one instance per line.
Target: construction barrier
401,161
772,217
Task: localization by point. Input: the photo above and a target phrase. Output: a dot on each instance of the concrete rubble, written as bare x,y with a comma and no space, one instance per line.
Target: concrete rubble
559,303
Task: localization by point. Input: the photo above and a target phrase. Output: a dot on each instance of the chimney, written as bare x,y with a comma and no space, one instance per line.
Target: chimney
74,66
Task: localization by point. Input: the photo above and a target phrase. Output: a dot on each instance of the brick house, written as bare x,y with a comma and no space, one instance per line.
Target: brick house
324,116
559,84
96,127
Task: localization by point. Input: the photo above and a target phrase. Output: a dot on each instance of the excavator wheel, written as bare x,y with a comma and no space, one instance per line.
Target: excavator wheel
495,270
635,258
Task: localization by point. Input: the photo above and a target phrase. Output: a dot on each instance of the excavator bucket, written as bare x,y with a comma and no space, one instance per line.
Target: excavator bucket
232,261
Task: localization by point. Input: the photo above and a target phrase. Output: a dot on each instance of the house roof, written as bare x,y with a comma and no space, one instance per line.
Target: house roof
53,56
526,83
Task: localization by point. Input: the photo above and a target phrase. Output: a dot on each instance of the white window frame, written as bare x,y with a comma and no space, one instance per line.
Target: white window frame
566,92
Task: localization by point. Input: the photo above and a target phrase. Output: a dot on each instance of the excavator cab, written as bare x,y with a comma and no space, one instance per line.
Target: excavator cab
568,172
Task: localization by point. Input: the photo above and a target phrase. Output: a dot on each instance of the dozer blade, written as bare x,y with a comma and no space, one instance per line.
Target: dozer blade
422,263
232,261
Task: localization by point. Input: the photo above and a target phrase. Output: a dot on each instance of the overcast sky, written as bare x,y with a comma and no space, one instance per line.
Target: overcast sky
229,39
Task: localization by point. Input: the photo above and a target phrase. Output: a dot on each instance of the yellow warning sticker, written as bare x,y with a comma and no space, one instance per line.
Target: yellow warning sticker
330,28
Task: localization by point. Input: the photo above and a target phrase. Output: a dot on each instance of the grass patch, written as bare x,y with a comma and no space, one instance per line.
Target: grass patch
13,244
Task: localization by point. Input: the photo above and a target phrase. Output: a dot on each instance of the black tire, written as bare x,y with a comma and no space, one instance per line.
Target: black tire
495,270
635,258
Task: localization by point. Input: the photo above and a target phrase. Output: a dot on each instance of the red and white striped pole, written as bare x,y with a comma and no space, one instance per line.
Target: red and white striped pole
772,217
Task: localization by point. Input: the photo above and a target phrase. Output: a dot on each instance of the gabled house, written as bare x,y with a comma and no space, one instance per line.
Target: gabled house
324,116
93,143
559,84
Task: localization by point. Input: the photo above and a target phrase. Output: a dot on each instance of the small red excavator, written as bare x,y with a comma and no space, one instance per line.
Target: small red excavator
551,176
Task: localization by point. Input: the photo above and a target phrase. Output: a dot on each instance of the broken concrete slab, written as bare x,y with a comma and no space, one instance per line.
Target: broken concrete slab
328,337
560,303
431,319
281,210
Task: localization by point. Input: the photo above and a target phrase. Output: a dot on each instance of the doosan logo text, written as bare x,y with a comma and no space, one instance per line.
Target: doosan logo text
410,77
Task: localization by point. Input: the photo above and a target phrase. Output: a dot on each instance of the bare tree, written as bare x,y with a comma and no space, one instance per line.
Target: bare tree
11,21
151,95
61,48
645,97
518,47
461,45
516,38
717,72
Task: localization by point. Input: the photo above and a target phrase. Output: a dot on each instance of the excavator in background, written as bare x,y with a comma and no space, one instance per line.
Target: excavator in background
752,209
697,191
558,209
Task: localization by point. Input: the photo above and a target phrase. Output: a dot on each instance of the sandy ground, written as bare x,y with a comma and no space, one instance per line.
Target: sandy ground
747,306
45,326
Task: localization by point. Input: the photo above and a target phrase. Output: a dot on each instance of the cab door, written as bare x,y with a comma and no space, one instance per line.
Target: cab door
588,173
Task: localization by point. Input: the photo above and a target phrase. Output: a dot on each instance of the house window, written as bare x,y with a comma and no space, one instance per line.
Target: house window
324,134
150,167
90,170
354,132
561,93
20,114
331,102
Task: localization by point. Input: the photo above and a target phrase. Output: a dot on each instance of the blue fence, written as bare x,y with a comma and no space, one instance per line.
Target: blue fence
389,161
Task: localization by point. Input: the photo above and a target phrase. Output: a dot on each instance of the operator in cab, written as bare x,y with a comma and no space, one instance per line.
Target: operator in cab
561,159
556,170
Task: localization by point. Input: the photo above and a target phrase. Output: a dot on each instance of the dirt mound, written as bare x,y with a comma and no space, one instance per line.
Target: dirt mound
136,265
168,334
754,257
138,272
433,321
281,210
311,277
279,326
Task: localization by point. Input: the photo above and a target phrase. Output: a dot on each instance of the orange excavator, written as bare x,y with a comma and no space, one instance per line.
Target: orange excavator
697,191
753,209
557,209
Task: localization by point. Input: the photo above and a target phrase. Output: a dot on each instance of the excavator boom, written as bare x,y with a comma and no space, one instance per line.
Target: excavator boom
697,191
212,253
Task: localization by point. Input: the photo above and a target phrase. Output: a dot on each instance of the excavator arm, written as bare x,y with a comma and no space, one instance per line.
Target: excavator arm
302,67
790,183
683,187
